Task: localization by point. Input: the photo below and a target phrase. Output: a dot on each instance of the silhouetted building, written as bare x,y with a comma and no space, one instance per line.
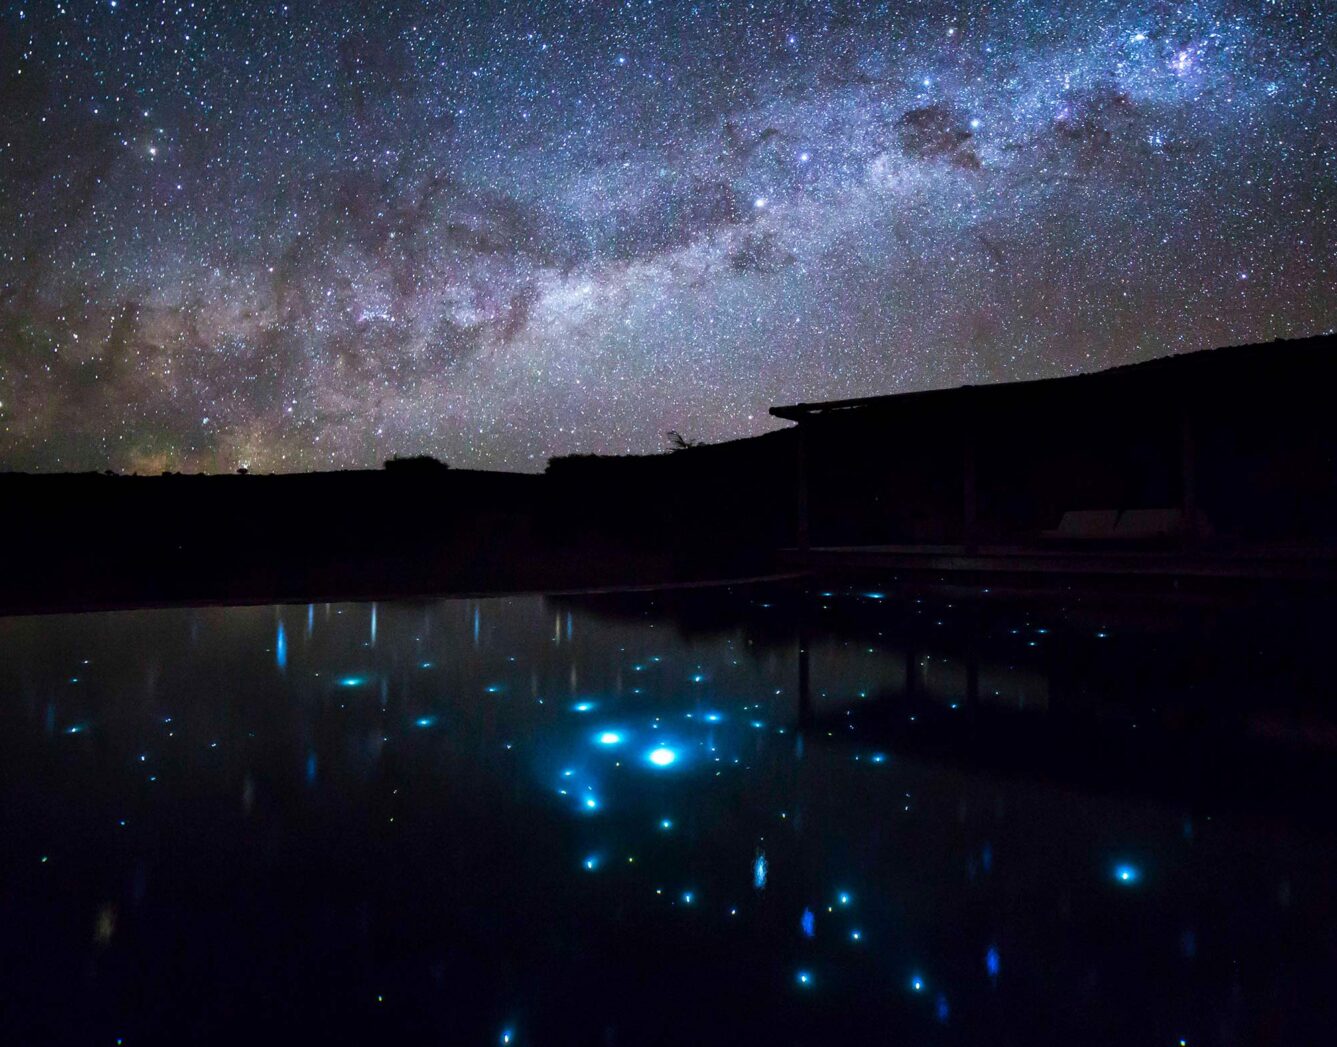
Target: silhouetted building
1225,451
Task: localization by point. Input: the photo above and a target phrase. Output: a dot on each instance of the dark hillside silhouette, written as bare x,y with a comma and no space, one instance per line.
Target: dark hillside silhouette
1214,463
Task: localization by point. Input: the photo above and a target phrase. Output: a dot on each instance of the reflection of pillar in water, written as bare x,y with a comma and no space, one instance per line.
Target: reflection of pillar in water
804,669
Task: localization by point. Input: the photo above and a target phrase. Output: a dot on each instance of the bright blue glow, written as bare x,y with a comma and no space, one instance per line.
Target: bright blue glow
698,678
568,773
281,647
662,757
991,961
424,721
1128,874
758,724
917,983
582,707
352,681
804,978
609,738
879,757
759,872
493,688
856,936
688,897
808,922
591,804
713,717
844,898
425,665
876,596
666,824
506,1036
592,862
74,728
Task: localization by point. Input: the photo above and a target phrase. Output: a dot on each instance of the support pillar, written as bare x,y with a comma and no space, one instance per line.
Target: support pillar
801,506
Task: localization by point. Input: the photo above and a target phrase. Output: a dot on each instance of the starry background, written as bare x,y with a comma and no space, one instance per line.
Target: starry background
296,236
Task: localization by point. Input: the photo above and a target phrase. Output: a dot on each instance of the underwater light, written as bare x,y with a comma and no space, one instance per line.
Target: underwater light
662,757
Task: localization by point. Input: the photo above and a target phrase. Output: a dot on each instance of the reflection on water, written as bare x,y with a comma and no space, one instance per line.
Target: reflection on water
739,816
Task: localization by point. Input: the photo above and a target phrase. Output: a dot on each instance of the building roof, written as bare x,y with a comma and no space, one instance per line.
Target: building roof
1279,359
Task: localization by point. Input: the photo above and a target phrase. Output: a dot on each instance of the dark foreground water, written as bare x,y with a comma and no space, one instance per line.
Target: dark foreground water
745,816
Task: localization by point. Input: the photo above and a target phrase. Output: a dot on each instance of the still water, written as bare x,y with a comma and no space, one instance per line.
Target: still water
746,815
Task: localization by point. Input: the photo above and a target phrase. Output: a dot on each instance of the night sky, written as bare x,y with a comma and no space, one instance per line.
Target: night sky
296,236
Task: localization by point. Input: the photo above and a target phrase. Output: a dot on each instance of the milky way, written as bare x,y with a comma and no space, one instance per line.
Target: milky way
305,236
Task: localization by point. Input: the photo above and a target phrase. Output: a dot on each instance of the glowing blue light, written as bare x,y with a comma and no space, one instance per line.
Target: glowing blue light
666,824
591,804
804,978
1128,874
879,757
352,681
493,688
876,596
74,728
425,665
591,863
759,872
424,721
582,707
698,678
713,717
856,936
281,648
917,983
688,897
506,1036
844,898
758,724
662,757
808,922
991,962
609,738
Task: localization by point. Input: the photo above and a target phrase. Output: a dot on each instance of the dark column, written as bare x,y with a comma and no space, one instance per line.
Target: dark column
1188,474
802,493
968,485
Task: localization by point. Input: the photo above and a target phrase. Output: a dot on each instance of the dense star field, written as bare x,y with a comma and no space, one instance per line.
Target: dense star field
296,236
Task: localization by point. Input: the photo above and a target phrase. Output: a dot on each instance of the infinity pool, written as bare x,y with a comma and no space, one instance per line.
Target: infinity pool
748,816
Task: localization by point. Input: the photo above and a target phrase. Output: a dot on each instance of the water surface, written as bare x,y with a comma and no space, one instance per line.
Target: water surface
737,816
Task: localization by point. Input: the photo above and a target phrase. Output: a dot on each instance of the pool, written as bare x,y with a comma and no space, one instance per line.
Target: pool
768,814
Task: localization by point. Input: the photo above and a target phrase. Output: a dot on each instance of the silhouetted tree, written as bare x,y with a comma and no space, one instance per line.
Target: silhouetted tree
415,463
677,442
